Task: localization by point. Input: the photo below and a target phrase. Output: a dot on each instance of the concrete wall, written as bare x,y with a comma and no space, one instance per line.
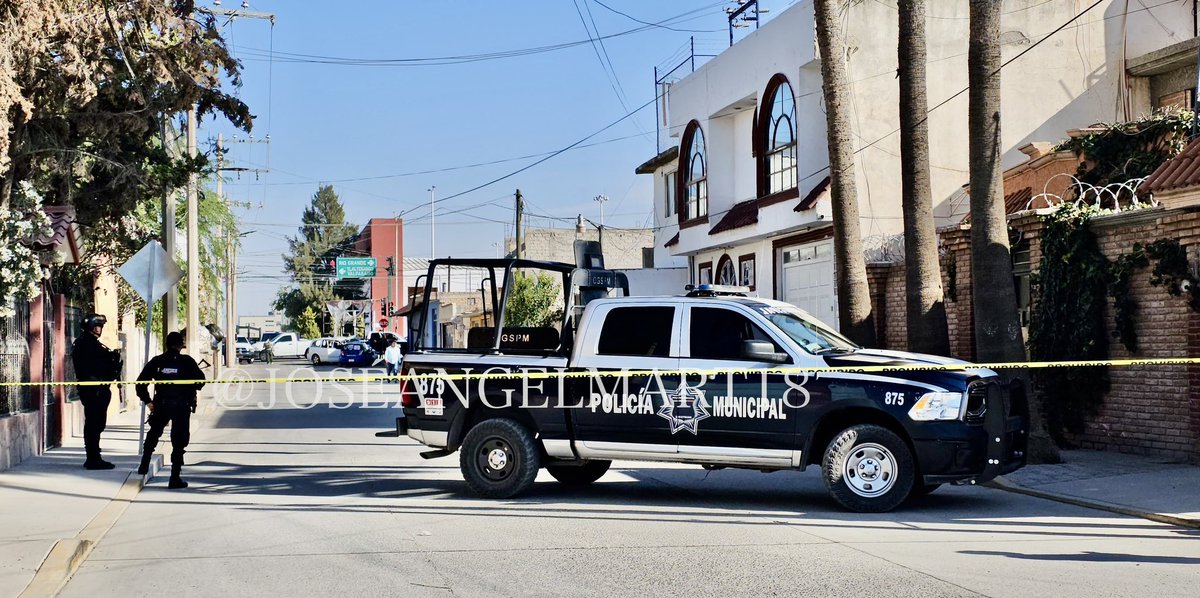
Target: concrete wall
20,438
656,282
622,247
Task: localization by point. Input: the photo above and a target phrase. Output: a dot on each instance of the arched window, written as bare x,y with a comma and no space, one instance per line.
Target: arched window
777,138
726,273
693,174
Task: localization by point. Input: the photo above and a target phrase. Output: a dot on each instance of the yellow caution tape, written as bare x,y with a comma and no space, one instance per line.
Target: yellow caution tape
542,375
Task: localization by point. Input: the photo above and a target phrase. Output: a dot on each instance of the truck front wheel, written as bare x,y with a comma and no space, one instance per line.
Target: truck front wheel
499,458
579,475
868,469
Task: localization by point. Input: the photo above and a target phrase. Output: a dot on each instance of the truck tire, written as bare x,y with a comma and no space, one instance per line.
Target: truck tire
499,458
579,475
868,469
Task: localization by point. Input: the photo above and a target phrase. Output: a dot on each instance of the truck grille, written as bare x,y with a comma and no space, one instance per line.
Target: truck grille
976,402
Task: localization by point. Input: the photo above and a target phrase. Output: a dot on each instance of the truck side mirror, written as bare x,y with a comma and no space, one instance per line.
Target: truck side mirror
762,351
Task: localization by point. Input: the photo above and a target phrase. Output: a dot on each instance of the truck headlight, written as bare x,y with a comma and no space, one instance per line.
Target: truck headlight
936,406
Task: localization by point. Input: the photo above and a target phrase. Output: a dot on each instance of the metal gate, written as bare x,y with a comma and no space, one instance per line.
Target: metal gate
14,362
51,407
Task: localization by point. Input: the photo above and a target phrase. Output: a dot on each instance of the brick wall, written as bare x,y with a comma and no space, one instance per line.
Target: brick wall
1149,409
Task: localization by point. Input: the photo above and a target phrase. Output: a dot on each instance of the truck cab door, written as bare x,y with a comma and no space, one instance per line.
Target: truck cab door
622,416
752,416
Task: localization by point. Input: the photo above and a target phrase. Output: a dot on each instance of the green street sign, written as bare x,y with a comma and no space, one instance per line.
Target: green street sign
355,267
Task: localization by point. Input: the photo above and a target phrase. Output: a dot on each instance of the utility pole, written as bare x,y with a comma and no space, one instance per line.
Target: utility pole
230,273
432,224
520,217
171,303
601,199
193,245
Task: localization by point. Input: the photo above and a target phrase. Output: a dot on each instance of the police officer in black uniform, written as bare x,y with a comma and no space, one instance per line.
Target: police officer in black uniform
172,403
94,362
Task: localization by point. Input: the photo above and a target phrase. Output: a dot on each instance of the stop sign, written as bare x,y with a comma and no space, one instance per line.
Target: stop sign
383,322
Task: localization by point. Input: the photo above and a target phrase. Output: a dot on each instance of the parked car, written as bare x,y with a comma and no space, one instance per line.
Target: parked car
289,344
357,353
245,350
324,350
259,345
379,341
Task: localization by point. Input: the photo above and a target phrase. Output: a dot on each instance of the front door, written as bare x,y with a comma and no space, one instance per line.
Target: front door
807,278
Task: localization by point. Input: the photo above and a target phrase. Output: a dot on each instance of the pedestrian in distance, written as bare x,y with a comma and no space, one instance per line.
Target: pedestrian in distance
392,357
173,403
268,352
94,362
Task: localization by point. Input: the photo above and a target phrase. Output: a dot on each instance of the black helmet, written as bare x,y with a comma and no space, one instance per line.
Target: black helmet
91,321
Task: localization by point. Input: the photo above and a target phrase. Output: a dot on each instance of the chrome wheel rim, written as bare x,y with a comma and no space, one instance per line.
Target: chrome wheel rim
870,470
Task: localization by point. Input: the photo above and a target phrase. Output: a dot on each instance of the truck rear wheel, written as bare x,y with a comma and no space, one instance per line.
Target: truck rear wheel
579,475
868,469
499,458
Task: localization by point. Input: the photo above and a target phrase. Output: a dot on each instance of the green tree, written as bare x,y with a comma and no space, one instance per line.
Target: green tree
323,236
925,307
854,294
998,335
533,300
306,324
84,85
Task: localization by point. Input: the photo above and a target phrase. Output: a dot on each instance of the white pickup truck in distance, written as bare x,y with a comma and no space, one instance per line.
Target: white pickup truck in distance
696,379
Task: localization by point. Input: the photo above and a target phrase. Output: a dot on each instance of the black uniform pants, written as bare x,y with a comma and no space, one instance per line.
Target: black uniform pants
95,401
178,414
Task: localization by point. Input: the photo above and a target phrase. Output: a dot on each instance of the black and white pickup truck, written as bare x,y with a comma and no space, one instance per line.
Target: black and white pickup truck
693,379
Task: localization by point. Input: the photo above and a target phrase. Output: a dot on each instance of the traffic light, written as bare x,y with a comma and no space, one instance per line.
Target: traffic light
391,267
391,308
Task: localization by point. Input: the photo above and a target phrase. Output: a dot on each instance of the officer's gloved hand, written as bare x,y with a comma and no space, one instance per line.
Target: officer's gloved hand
192,404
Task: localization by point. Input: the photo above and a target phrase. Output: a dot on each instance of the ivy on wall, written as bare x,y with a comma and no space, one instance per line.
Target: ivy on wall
1170,270
1125,151
1072,284
1067,321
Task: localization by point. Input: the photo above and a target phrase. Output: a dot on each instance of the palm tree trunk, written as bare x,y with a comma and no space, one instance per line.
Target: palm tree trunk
998,335
925,307
854,297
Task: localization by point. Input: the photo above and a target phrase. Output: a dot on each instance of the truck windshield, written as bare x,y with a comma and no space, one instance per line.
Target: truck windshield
808,333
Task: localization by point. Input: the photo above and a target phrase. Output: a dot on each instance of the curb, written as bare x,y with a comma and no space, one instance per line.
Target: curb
1002,484
68,554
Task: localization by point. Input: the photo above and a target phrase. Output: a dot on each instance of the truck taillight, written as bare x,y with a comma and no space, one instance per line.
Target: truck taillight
407,400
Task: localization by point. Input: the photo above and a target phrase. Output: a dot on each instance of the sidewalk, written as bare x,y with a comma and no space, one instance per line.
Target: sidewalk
1149,487
52,497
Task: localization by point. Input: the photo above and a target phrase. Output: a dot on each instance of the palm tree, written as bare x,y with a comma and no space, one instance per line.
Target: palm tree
925,304
854,297
998,336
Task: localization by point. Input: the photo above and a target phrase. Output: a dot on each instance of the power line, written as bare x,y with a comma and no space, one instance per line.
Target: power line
968,87
543,159
668,28
295,57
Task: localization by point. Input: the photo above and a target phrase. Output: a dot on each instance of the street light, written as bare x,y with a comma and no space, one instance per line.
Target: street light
601,199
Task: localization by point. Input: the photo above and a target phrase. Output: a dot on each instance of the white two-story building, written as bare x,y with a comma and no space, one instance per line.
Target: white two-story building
741,190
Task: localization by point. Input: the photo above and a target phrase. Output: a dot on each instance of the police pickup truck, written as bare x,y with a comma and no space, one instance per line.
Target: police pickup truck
713,377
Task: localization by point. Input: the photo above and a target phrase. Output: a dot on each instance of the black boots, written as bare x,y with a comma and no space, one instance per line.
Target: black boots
95,462
144,467
176,482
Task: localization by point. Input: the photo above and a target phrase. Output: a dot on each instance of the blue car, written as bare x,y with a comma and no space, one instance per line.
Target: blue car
357,353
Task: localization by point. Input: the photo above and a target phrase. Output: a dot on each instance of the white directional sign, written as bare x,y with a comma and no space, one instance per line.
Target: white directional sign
151,272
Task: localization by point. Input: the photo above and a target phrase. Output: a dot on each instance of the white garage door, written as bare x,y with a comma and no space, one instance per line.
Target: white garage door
807,276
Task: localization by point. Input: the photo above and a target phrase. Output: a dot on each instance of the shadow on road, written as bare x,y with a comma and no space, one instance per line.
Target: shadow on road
1091,557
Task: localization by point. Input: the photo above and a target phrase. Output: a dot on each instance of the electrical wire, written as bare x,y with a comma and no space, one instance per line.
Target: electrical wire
668,28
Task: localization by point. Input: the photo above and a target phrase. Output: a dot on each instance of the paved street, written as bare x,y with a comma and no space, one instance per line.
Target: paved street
290,501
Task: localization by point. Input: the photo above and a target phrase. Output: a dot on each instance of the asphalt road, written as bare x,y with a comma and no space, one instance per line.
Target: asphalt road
308,502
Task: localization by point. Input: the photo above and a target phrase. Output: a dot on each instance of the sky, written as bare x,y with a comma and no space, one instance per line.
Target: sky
345,96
